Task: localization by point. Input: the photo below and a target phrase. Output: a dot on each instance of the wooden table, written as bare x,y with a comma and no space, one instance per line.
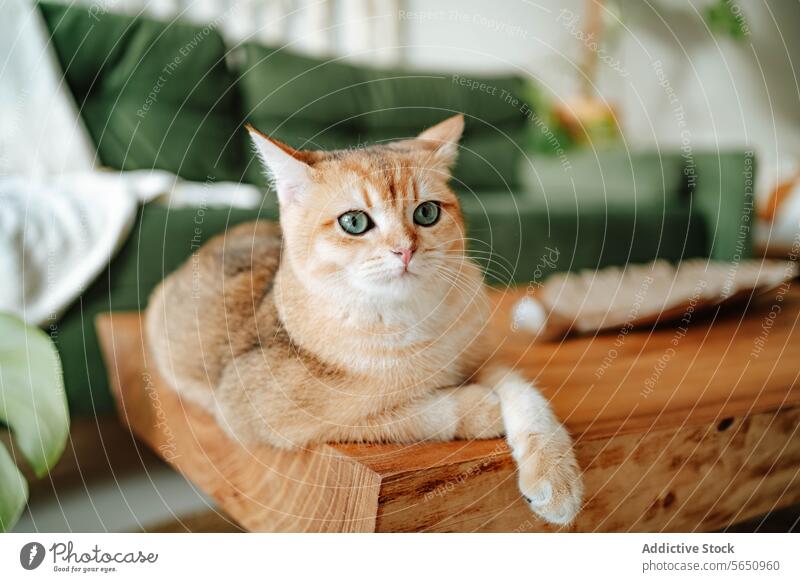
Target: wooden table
677,430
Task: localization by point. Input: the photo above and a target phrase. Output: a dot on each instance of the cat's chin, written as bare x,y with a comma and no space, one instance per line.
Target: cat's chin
395,287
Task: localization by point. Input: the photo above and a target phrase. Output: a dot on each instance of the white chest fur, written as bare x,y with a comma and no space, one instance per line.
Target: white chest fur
422,343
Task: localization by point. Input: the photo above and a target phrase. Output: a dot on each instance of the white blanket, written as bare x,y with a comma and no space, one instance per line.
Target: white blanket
41,133
57,234
61,220
55,238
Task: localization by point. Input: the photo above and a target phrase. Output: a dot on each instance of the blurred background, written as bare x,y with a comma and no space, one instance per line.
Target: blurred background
613,131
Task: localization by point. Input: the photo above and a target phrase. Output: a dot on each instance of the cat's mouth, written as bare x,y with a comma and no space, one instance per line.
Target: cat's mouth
390,276
401,275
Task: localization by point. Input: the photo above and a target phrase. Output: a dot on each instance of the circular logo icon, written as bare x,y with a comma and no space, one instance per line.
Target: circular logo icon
31,555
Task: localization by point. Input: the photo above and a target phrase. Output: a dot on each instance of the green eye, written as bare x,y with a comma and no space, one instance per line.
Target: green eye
355,222
427,213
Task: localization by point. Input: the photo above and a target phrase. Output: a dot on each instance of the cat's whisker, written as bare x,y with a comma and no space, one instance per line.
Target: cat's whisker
466,241
471,252
486,261
488,266
463,287
461,284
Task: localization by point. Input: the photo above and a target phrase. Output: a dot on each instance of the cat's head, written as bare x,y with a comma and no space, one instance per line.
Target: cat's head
378,221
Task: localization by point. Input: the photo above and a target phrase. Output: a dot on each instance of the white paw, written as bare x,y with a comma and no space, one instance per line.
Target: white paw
549,476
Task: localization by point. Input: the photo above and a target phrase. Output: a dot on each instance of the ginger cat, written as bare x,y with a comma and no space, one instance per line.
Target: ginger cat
360,318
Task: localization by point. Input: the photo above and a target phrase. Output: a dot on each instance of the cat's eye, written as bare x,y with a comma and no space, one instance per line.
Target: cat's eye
355,222
427,213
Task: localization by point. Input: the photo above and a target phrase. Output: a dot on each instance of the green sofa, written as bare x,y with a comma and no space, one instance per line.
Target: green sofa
175,97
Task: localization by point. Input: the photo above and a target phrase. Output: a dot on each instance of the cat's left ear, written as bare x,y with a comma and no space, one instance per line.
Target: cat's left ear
287,167
443,139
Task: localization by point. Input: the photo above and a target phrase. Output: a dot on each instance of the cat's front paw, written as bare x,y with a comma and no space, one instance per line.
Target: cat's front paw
549,476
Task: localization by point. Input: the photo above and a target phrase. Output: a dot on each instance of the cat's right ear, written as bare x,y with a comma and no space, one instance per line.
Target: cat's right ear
443,138
286,167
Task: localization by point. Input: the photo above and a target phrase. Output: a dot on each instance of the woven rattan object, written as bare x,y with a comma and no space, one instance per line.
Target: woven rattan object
641,295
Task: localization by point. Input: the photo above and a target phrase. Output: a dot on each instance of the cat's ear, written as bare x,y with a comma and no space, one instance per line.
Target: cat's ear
288,168
443,138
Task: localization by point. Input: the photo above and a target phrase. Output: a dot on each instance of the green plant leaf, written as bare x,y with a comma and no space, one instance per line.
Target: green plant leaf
32,399
13,491
726,18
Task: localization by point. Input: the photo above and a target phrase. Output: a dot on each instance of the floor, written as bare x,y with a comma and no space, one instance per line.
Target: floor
139,501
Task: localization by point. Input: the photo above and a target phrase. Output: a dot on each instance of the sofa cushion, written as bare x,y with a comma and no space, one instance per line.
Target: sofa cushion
612,179
311,103
152,94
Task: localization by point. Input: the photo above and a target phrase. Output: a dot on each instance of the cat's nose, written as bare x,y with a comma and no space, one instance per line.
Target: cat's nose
405,254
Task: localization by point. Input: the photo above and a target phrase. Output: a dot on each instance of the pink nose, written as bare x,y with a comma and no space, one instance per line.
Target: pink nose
405,254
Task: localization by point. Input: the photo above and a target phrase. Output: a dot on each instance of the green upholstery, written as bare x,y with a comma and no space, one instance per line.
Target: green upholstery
159,95
316,104
536,214
152,95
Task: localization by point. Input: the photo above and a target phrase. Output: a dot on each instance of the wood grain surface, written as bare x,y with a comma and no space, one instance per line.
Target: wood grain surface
677,430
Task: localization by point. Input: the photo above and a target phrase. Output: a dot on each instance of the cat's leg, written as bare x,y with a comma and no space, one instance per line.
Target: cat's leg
471,411
502,403
255,403
549,476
